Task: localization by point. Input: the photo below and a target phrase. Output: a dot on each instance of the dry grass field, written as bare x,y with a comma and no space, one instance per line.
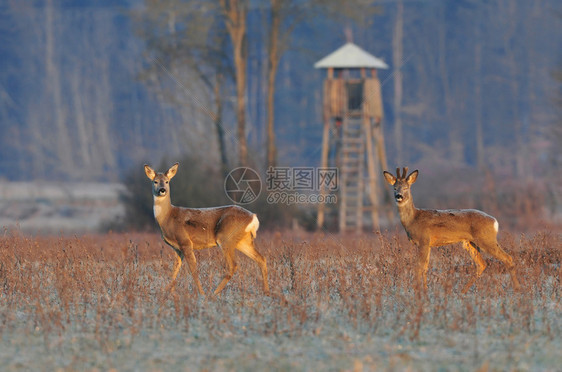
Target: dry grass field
338,303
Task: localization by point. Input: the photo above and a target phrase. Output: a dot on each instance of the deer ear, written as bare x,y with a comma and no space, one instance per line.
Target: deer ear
150,173
172,171
389,178
412,177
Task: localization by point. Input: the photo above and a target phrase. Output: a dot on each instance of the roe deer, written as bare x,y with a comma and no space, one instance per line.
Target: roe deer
186,229
428,228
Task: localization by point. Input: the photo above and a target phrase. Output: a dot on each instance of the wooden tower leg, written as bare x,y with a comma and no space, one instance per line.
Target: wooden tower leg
373,179
344,173
324,164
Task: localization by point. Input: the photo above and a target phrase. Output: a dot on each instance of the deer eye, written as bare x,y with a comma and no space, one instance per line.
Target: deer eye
167,182
156,182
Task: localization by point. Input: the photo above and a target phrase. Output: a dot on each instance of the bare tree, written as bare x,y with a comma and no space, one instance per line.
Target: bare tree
281,11
235,12
479,132
188,44
397,58
63,142
456,144
273,64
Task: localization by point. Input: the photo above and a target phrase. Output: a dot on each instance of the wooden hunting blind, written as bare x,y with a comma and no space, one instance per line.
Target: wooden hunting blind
352,137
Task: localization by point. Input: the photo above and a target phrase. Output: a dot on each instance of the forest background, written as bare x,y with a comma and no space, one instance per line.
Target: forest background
90,91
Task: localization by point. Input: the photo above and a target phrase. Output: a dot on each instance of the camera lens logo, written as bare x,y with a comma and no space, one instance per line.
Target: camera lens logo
242,185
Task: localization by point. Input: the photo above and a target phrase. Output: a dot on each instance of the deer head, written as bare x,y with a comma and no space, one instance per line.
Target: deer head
401,184
161,181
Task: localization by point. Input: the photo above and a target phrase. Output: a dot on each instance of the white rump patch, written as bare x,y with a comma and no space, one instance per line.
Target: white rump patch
496,225
157,210
253,225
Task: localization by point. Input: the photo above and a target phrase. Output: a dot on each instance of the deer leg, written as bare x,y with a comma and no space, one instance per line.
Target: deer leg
508,262
192,263
424,251
248,248
231,266
494,249
177,266
179,259
478,260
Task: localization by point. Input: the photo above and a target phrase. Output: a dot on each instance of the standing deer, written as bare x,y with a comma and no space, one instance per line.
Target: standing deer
428,228
186,229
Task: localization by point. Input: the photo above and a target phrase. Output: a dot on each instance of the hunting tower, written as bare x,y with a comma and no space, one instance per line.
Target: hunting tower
352,138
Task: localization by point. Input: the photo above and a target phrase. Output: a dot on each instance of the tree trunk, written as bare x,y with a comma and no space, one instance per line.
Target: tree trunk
397,57
62,139
218,125
273,64
80,119
456,147
511,62
480,156
103,117
235,13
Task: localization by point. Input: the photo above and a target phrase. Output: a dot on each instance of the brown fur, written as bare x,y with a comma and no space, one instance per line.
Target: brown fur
186,229
428,228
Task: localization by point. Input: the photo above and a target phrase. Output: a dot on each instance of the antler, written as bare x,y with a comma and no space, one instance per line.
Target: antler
404,173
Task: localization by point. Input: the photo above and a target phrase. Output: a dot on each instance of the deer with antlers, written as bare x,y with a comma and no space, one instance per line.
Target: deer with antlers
230,228
428,228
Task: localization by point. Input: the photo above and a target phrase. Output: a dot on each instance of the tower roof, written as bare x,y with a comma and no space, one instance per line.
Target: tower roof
350,56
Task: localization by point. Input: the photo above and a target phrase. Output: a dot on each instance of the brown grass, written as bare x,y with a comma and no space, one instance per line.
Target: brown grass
338,303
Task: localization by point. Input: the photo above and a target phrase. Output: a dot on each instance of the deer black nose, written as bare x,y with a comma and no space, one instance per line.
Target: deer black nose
162,191
398,197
